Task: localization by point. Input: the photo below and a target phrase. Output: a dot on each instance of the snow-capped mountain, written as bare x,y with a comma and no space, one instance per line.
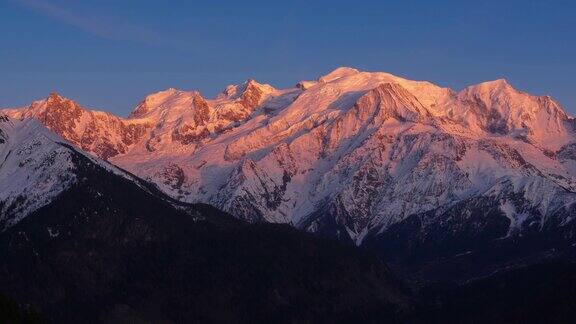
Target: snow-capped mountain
347,155
37,166
97,132
83,241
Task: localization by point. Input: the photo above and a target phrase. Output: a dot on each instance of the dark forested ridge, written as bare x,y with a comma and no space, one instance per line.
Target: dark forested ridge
538,293
14,313
107,250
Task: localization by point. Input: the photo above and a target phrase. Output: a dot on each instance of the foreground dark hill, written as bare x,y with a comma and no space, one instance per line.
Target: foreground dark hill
108,249
472,242
11,312
539,293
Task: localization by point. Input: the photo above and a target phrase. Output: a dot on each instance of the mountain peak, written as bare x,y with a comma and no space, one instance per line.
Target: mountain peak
338,73
500,108
489,90
54,94
54,97
494,86
502,82
235,91
251,84
153,100
55,102
162,93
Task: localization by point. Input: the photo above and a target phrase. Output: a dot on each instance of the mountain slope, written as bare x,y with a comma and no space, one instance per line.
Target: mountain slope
109,247
34,169
37,166
354,153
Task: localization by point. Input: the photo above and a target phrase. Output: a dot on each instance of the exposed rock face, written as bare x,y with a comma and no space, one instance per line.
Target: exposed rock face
100,133
60,116
349,155
237,103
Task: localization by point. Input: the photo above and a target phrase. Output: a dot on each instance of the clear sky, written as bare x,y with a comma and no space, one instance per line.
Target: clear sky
109,54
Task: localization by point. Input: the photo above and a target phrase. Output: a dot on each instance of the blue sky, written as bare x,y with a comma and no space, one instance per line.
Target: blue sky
109,54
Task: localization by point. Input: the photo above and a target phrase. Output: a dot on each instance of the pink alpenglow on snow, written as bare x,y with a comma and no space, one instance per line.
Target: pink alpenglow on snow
366,148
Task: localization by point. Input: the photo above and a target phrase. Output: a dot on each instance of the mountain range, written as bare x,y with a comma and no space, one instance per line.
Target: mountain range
444,185
84,241
349,155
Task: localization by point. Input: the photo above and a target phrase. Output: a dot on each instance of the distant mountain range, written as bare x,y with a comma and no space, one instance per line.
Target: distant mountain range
443,185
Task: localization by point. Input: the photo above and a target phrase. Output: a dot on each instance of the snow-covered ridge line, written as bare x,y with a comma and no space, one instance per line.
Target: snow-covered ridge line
33,171
36,166
350,153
